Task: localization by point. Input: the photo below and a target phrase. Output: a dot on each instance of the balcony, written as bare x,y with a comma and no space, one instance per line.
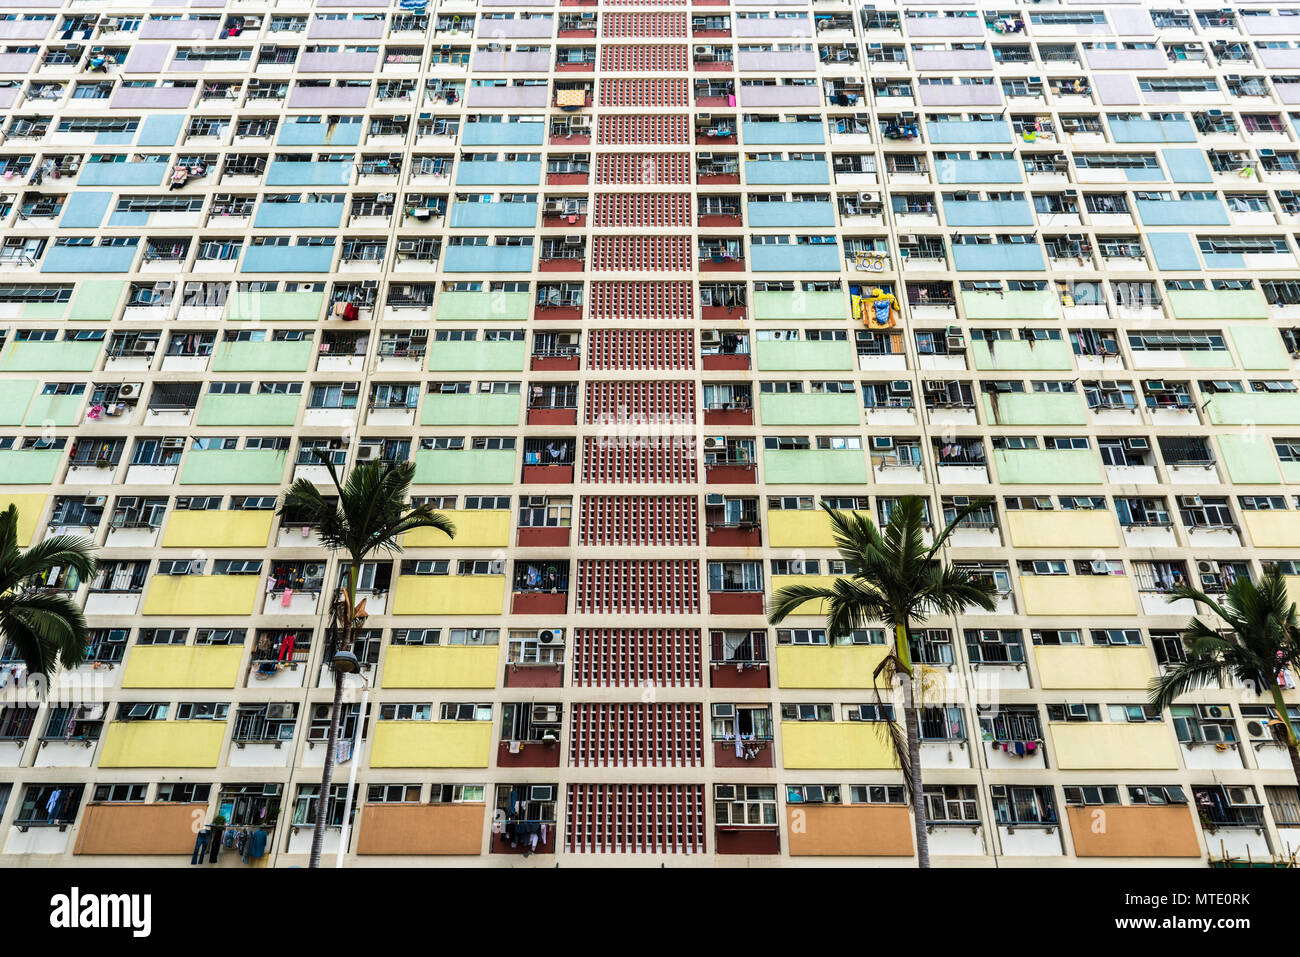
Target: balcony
808,409
454,306
1037,355
202,594
183,666
1135,831
1083,595
1086,666
1033,408
1060,528
800,305
138,830
420,829
437,744
254,410
1094,746
488,259
449,595
853,830
162,744
274,356
836,666
440,666
835,745
815,466
470,409
233,467
955,172
997,257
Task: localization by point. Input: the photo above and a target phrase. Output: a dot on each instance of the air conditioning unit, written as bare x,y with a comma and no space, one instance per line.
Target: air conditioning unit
550,636
1239,796
706,157
279,711
900,386
713,499
368,453
868,197
724,710
407,245
546,714
573,240
1212,711
1077,710
541,792
1190,501
130,390
957,341
934,385
881,442
989,637
814,794
174,442
1137,444
1256,729
350,388
94,501
715,443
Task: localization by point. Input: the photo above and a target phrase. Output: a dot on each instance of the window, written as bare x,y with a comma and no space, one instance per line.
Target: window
465,712
744,805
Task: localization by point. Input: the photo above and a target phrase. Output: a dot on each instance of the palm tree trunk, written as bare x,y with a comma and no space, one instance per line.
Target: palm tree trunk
331,739
912,727
327,774
913,730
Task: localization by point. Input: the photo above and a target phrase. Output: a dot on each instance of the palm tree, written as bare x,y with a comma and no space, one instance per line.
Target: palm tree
893,578
47,630
1261,638
370,514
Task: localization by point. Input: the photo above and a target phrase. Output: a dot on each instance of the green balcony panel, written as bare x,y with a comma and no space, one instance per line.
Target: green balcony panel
804,409
275,306
248,409
30,466
813,356
1254,408
56,410
800,305
1215,304
464,467
470,409
233,467
58,356
1047,466
1259,347
95,300
1033,355
15,397
1249,459
478,356
1033,408
281,356
468,306
815,466
1030,304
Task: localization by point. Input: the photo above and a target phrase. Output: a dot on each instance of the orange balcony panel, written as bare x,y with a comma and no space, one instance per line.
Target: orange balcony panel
575,67
748,840
401,829
715,66
501,843
552,416
554,363
551,313
575,221
717,179
566,179
708,264
722,219
534,676
539,603
545,537
572,139
838,830
728,416
548,474
568,264
713,313
532,754
719,362
746,676
724,755
729,474
735,603
711,33
735,537
575,33
1134,831
139,830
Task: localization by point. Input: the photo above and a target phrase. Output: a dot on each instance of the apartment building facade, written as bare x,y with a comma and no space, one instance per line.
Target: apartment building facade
638,285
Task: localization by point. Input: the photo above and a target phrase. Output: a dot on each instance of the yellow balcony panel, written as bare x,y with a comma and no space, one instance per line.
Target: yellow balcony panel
30,508
431,744
839,666
1077,595
835,744
1082,666
1274,530
475,528
162,744
1092,746
1062,529
218,529
799,528
449,594
183,666
201,594
436,666
817,581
